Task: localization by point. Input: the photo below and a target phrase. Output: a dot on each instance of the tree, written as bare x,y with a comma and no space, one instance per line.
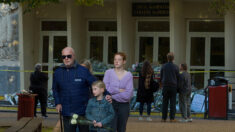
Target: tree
33,4
223,6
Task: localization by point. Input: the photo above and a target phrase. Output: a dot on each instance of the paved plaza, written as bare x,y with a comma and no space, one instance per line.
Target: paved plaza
134,125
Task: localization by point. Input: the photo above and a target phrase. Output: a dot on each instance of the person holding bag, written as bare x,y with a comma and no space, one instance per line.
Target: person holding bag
147,86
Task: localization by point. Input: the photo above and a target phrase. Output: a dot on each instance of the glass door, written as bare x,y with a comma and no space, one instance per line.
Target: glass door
146,48
153,47
163,49
52,44
102,47
197,60
96,47
207,53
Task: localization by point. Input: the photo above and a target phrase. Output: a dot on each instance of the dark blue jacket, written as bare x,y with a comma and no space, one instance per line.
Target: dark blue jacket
71,88
169,75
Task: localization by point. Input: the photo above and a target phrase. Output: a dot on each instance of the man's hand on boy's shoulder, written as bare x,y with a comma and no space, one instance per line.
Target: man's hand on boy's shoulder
108,98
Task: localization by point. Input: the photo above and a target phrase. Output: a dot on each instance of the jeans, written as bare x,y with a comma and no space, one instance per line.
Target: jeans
142,108
68,127
185,102
169,94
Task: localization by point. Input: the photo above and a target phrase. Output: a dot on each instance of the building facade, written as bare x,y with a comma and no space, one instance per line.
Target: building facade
143,29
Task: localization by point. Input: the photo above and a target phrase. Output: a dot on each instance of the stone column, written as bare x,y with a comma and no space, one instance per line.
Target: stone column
21,48
76,29
26,46
125,30
177,31
229,34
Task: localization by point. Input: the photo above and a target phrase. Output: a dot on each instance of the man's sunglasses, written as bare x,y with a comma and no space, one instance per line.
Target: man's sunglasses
68,56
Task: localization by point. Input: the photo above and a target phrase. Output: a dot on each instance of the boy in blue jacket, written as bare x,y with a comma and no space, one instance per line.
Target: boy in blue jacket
99,110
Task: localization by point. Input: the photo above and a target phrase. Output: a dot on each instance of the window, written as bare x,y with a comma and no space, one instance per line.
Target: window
96,48
54,26
164,48
146,49
206,50
112,48
197,78
197,51
153,26
102,26
102,40
217,52
60,42
206,26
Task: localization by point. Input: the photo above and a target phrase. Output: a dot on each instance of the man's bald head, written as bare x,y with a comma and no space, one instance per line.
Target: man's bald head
70,49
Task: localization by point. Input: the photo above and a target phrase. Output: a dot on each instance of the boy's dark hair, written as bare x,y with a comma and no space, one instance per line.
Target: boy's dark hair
99,84
184,66
170,56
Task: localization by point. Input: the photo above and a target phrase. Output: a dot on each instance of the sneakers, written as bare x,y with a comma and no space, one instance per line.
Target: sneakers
149,119
163,120
44,116
190,120
183,120
141,118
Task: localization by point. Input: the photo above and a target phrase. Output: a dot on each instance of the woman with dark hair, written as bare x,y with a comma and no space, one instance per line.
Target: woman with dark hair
146,89
38,85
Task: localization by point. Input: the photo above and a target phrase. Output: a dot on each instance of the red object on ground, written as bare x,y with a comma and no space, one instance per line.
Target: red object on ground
218,101
26,105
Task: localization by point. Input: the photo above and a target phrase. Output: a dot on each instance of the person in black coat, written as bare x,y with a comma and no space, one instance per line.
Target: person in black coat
147,86
169,79
38,85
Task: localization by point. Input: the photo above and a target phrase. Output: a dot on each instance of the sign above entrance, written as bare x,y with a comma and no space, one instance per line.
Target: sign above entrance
150,9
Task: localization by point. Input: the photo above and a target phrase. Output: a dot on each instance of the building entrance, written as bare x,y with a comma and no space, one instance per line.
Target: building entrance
53,39
102,40
205,51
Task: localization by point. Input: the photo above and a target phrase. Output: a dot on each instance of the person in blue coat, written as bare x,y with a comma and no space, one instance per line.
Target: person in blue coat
99,110
71,83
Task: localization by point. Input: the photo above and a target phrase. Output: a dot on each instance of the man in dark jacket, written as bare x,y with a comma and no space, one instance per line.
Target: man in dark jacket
71,83
38,85
169,79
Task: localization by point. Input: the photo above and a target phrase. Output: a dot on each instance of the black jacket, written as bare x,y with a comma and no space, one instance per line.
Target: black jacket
169,75
38,82
143,94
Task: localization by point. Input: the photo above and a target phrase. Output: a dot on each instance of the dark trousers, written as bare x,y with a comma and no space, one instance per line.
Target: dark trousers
42,98
142,108
121,116
68,127
169,94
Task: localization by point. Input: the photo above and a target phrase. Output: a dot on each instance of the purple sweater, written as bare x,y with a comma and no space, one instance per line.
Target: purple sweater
113,85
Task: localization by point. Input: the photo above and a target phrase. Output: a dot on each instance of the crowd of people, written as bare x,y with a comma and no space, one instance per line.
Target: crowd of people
106,103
